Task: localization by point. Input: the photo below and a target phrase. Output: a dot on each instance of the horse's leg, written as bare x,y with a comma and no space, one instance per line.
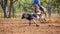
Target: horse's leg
45,14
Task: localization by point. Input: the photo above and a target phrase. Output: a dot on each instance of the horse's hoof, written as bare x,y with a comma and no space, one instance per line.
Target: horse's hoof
37,25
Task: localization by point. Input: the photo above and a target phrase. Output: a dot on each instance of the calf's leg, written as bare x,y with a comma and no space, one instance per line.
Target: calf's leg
35,23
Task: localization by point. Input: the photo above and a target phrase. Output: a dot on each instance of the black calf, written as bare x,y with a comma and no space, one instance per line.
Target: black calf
29,17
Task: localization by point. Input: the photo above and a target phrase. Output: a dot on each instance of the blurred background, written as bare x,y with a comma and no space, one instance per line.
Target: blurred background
14,8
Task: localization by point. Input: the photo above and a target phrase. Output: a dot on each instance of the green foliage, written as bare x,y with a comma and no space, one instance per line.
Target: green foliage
28,4
1,9
55,5
20,5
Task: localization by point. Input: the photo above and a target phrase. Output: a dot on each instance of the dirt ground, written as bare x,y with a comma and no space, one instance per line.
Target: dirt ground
19,26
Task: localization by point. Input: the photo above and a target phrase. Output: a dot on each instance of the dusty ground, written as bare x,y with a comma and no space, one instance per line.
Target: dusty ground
19,26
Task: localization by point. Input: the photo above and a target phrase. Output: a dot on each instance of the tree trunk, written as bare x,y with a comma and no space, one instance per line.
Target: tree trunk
3,5
10,8
49,8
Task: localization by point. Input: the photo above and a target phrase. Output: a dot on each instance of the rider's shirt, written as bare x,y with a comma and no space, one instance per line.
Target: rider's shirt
37,2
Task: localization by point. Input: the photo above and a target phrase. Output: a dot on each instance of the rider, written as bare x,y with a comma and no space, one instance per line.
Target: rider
37,2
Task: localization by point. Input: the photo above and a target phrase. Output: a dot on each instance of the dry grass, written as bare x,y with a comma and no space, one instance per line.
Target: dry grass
19,26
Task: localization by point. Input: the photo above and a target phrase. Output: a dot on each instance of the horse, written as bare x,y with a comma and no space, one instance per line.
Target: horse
41,15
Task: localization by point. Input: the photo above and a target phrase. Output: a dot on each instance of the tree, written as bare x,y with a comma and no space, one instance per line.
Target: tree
11,7
7,10
49,8
3,5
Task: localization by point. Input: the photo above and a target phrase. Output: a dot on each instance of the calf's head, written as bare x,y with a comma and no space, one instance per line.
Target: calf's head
24,16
